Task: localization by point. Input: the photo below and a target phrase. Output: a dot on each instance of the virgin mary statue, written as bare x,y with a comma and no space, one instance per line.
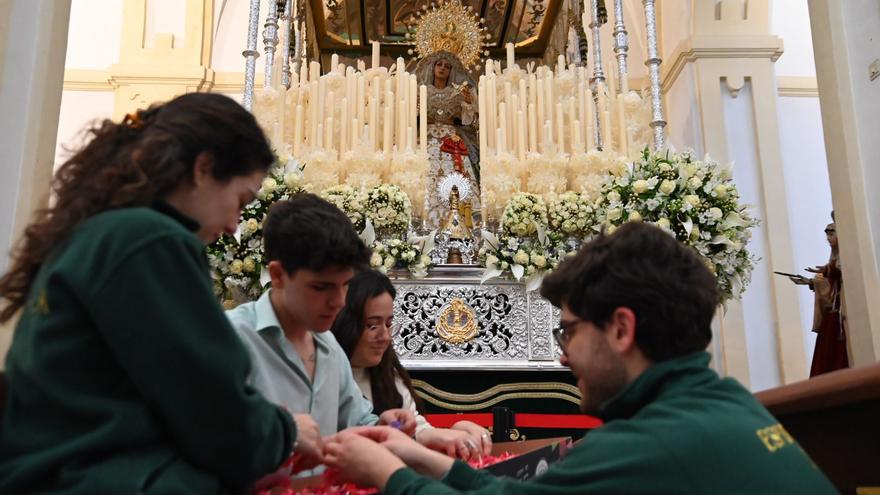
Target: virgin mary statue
452,135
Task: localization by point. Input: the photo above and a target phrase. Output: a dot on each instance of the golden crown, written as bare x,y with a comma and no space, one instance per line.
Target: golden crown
449,26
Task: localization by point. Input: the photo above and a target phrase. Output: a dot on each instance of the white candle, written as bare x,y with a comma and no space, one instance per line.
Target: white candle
373,124
328,135
533,129
356,136
322,99
576,146
512,108
481,107
606,131
303,75
500,139
344,131
591,123
622,141
359,100
549,146
491,108
314,71
298,131
375,61
520,135
319,142
334,62
386,135
510,55
574,130
329,124
540,114
522,96
409,139
560,128
361,66
502,113
313,115
560,64
423,120
401,128
413,94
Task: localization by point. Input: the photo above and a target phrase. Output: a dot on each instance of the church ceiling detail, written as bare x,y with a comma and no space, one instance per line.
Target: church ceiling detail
351,25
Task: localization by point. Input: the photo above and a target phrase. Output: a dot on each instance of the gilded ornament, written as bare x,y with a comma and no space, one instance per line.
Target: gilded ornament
449,27
457,322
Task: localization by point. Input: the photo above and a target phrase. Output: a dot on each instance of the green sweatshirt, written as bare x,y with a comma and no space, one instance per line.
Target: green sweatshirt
124,375
678,429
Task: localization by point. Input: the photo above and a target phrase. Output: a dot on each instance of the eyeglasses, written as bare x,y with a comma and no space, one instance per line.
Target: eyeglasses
393,328
562,334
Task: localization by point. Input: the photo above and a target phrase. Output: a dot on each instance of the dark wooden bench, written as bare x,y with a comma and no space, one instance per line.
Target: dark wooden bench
836,419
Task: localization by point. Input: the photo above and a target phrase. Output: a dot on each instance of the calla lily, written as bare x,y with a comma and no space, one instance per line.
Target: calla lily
490,273
517,270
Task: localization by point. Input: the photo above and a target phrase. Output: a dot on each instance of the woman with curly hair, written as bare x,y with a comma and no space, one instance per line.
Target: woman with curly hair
124,375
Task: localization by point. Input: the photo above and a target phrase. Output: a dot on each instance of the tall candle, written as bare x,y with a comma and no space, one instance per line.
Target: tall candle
560,64
423,120
520,135
622,139
357,135
522,96
606,131
502,113
314,71
574,130
334,62
328,135
413,94
298,132
373,124
500,139
409,139
549,146
401,129
512,108
359,100
540,109
361,66
533,129
375,61
386,135
344,130
329,124
509,55
560,128
313,115
481,108
576,146
591,123
303,75
491,108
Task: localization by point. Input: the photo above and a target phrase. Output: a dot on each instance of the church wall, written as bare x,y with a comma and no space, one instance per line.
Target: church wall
94,36
78,109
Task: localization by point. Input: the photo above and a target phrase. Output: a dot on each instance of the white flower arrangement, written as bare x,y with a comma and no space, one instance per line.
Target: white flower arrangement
696,201
571,214
321,169
408,170
389,210
412,254
547,174
363,170
352,201
237,262
524,214
505,182
531,258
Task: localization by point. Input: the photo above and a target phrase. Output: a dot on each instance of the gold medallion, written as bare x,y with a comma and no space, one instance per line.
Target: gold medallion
457,322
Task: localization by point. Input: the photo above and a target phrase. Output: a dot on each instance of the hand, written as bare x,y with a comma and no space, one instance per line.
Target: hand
478,434
466,94
454,443
309,448
360,459
401,419
800,280
415,455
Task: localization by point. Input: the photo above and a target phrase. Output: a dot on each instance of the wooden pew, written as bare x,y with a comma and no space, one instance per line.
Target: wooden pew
836,419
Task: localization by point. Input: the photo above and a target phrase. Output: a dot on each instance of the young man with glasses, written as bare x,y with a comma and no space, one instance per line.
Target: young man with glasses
313,252
637,307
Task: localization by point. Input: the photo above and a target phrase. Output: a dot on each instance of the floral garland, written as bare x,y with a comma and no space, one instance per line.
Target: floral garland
527,257
696,201
237,262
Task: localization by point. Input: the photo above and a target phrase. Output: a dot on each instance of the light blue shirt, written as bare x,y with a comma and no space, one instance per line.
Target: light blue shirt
333,399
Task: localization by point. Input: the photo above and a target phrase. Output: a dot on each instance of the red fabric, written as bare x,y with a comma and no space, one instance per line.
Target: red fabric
456,148
830,353
521,420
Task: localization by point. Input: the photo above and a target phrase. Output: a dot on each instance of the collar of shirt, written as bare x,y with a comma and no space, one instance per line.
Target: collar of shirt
164,207
269,327
665,376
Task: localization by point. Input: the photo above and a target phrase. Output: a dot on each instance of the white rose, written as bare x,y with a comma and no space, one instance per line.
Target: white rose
720,191
695,182
539,260
663,223
635,216
613,196
667,186
253,225
389,262
614,214
640,186
692,199
665,167
375,260
715,213
491,260
521,257
236,267
425,260
248,265
291,180
269,184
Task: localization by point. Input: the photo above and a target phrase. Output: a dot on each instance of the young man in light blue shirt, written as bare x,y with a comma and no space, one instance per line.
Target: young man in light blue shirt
312,252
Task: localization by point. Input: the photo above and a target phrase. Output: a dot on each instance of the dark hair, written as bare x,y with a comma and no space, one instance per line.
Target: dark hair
641,267
133,163
309,232
349,326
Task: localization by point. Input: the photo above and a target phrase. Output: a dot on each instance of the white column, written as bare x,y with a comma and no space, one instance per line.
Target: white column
32,52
